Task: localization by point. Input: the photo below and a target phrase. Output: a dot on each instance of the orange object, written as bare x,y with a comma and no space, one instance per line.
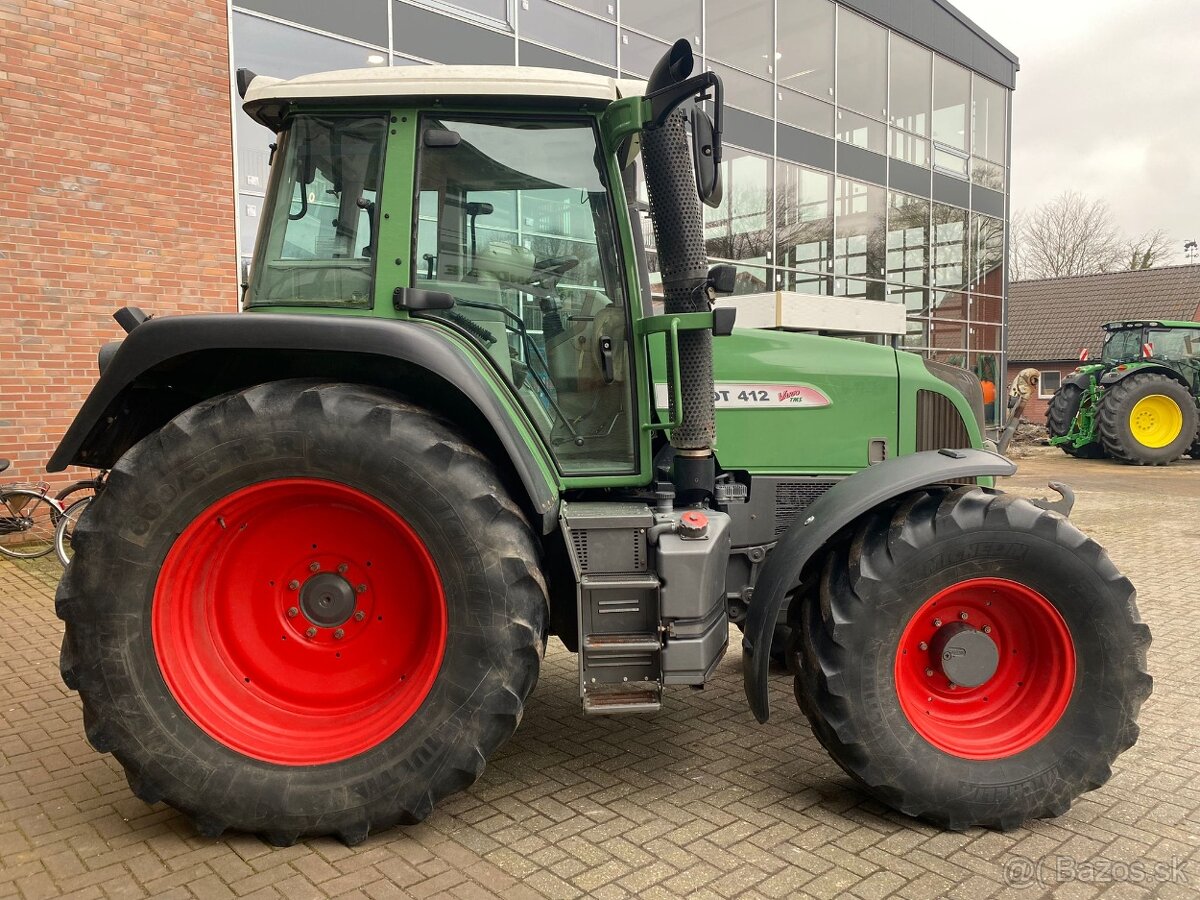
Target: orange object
989,392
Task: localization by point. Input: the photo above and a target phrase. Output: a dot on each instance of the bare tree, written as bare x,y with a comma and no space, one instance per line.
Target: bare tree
1148,250
1069,235
1077,235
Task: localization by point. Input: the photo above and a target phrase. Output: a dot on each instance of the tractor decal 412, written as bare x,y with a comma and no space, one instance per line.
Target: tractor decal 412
738,395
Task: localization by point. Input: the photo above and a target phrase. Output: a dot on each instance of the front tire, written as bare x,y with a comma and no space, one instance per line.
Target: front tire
302,609
1147,419
1060,415
968,574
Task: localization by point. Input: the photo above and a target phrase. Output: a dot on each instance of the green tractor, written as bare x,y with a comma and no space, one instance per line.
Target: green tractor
1138,404
339,528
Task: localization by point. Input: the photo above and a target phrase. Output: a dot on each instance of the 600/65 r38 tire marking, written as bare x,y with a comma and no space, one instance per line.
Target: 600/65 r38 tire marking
299,621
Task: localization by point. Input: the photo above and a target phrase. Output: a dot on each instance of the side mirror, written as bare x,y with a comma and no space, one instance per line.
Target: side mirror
704,156
723,278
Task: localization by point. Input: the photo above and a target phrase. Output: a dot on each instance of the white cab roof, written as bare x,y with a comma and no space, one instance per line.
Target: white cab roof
441,81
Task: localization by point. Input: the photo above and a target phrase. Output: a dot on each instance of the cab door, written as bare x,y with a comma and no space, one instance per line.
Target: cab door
514,219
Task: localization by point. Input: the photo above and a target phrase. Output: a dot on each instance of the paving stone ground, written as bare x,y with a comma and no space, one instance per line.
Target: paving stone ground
697,801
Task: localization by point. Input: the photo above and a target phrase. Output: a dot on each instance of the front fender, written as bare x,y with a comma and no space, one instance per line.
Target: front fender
166,365
836,508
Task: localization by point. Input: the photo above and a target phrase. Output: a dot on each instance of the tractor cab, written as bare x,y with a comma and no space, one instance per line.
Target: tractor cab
487,200
1126,341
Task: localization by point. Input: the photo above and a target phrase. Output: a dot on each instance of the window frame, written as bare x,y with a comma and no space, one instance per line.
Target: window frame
1042,373
269,237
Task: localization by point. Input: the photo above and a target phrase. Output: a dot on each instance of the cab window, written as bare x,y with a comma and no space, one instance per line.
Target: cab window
1175,343
317,242
1123,344
514,220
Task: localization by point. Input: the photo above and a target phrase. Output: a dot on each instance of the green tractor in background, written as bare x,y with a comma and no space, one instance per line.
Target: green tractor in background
452,421
1138,404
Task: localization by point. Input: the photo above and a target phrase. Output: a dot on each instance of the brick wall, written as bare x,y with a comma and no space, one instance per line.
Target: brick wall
1035,409
115,189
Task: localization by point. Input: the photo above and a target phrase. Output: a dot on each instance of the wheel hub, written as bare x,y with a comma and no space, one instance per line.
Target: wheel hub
299,621
985,668
1155,421
327,600
966,656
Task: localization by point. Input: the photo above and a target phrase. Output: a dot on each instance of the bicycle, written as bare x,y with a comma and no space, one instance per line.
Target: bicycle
28,518
85,491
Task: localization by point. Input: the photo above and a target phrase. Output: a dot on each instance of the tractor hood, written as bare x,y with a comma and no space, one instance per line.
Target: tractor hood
783,397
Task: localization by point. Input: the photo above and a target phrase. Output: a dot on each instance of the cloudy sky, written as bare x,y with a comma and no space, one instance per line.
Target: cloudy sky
1107,103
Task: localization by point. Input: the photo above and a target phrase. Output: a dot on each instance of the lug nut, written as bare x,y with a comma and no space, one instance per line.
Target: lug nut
922,646
293,612
359,616
963,616
312,632
987,629
929,673
937,623
293,585
342,569
362,588
315,567
339,634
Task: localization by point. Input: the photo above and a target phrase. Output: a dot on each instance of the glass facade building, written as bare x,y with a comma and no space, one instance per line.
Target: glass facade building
867,141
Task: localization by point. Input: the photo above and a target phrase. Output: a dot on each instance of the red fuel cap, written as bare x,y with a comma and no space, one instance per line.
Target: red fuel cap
693,524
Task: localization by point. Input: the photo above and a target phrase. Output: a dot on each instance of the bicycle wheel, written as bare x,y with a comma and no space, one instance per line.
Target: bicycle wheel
65,530
77,490
27,523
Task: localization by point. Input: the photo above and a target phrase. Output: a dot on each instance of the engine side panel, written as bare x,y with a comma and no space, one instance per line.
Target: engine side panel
798,403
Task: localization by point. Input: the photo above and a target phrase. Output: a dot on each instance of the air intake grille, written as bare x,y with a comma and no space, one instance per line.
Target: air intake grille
580,540
792,497
939,425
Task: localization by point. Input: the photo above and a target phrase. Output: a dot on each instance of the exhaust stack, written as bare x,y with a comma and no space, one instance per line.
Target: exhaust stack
679,233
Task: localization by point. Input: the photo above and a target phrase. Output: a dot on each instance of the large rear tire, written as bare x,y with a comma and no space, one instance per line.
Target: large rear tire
302,609
1061,413
1038,628
1147,419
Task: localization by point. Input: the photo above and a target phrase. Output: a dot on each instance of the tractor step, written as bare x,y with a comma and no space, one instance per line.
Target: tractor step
611,700
622,643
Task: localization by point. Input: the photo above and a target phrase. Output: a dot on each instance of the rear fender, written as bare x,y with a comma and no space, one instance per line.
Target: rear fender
168,364
846,501
1115,375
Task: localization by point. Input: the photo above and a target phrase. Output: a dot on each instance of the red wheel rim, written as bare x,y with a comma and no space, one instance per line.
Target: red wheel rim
248,631
1020,702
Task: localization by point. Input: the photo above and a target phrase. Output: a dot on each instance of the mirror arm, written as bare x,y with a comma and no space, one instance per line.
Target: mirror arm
665,100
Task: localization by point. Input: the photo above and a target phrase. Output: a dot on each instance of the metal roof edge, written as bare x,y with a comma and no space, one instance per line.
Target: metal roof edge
975,29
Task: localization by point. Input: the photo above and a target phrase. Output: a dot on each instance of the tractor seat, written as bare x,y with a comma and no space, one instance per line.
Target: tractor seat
4,464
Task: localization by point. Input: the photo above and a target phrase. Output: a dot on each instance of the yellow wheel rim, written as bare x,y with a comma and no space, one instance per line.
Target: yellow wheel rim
1155,420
